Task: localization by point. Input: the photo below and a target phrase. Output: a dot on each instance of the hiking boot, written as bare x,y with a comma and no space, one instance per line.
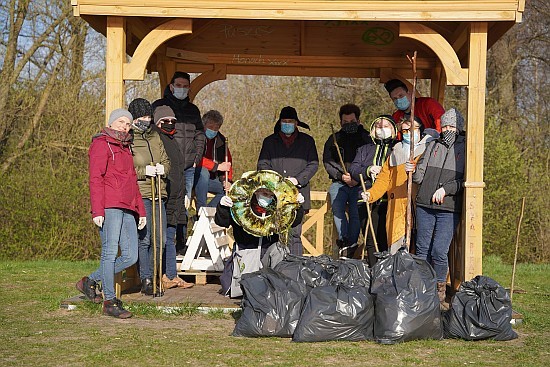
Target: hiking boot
147,287
113,307
182,283
87,287
441,289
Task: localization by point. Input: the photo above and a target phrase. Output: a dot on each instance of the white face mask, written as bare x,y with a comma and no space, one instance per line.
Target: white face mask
180,93
383,133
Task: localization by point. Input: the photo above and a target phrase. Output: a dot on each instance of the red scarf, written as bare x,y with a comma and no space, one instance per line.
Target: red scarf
288,140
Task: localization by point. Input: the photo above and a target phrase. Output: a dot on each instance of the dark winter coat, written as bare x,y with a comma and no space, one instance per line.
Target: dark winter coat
216,156
299,160
441,166
189,127
175,205
348,144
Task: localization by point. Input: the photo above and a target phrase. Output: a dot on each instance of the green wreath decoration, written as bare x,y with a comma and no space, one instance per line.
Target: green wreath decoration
280,213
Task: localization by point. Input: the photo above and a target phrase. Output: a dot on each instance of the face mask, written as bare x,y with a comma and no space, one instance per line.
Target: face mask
141,125
264,201
350,128
402,103
448,137
383,133
407,137
167,128
180,93
287,128
210,134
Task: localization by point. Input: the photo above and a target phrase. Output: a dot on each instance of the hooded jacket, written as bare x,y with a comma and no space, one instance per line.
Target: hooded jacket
113,179
189,127
428,110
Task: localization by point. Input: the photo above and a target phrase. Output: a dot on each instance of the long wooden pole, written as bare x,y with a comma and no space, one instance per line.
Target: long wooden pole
338,151
408,226
369,224
226,161
161,244
153,232
517,246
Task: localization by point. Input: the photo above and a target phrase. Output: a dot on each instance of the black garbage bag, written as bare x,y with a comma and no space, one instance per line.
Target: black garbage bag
309,271
406,305
271,304
336,312
481,309
350,272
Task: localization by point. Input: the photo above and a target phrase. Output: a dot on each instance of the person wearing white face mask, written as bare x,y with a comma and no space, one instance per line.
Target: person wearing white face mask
368,162
427,109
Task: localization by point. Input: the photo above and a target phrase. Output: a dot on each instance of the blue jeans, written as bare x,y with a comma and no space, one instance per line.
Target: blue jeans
340,196
434,232
145,239
119,230
204,185
170,253
189,174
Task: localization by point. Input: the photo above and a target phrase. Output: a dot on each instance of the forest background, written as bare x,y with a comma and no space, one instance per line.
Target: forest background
52,98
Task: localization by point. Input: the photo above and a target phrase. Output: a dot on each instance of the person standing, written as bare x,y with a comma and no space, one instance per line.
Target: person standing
292,154
212,170
189,127
116,204
427,109
344,190
368,162
440,176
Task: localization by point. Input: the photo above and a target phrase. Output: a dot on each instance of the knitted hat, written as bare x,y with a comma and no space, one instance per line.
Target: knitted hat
179,74
392,84
453,118
118,113
163,112
140,107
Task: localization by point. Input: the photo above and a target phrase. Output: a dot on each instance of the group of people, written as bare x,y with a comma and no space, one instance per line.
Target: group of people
169,142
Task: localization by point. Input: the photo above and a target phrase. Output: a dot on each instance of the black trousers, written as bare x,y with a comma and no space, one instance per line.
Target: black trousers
378,214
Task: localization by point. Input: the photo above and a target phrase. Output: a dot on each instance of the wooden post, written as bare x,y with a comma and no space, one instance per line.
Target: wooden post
473,193
115,58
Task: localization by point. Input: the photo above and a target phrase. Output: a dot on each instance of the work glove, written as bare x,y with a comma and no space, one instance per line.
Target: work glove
187,202
159,169
293,180
438,196
410,166
226,201
300,198
98,221
142,222
365,195
375,170
150,171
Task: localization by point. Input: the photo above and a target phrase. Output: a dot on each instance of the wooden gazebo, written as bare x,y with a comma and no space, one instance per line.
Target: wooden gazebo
349,38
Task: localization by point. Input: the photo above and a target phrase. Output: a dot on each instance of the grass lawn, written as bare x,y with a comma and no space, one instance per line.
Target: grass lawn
36,332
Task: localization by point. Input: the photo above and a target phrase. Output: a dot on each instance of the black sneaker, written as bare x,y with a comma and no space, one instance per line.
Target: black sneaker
88,287
113,307
147,287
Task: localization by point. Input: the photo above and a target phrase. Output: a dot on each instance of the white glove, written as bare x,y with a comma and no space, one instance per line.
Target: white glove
187,202
365,195
293,180
226,201
410,166
375,170
98,221
438,196
142,222
150,171
159,169
300,198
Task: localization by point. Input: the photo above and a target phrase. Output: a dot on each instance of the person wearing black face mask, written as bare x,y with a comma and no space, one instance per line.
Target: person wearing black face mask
344,190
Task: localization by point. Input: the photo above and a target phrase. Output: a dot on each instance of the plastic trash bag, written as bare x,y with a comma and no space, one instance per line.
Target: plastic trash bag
350,272
481,309
271,305
336,313
309,271
407,305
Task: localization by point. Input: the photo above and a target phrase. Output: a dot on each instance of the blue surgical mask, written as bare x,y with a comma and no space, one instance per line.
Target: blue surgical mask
407,137
264,201
287,128
402,103
210,134
181,93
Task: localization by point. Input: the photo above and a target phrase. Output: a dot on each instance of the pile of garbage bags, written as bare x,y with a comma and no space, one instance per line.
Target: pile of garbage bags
313,299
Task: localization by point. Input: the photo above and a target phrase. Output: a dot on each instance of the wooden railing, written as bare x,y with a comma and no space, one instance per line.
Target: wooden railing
316,219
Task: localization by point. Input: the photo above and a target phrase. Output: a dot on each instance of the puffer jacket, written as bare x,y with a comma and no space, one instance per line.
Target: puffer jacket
441,166
175,205
148,148
189,128
113,179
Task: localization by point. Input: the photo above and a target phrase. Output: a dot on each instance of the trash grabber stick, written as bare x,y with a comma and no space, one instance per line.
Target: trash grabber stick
369,214
226,161
338,151
153,232
517,246
408,224
161,240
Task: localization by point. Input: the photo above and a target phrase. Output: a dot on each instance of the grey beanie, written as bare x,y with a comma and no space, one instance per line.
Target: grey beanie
453,118
119,112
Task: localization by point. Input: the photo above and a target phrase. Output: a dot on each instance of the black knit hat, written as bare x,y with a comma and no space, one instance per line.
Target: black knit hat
140,107
393,84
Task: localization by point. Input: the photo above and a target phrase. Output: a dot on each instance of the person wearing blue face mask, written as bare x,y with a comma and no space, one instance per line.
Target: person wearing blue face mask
292,154
212,169
427,109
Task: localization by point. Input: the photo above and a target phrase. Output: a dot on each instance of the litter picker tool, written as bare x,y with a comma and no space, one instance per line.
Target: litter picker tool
226,161
161,244
408,224
369,224
153,233
338,151
517,246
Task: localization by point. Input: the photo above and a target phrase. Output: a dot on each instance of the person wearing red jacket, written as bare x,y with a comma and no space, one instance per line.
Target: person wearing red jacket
116,204
427,109
211,172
